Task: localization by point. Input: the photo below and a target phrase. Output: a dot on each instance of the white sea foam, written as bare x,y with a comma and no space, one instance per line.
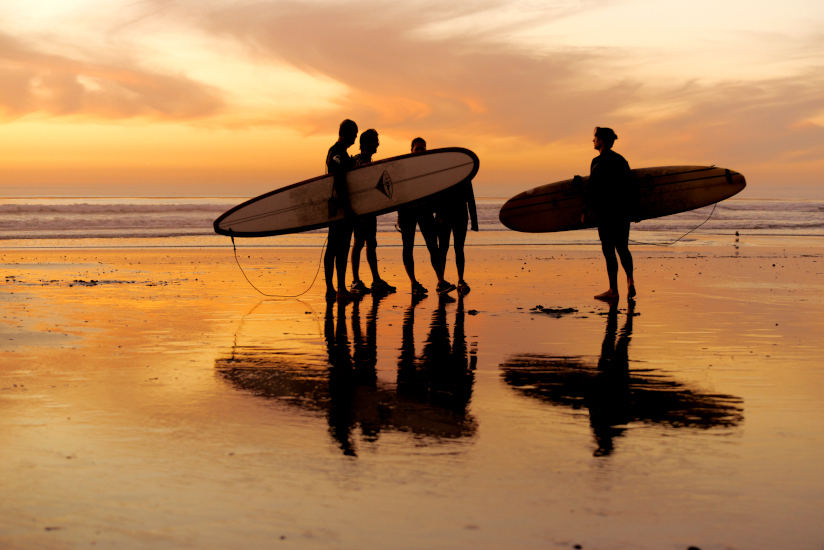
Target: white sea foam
65,222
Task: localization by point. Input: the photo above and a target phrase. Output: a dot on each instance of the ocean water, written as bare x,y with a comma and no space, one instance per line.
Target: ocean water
88,222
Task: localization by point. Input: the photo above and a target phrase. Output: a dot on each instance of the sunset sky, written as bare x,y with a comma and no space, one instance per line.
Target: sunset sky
237,97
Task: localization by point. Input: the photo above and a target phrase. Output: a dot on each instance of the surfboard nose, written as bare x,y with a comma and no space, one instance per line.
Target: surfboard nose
737,181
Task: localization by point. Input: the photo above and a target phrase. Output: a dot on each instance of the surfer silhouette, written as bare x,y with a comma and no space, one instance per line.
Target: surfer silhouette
451,218
338,162
421,215
609,202
366,228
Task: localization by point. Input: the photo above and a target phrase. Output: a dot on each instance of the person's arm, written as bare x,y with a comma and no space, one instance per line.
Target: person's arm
470,202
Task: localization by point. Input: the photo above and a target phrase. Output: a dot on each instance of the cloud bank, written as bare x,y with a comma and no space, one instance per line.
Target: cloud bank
455,72
476,83
54,85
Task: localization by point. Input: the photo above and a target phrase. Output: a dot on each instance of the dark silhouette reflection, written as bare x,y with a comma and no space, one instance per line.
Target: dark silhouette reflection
444,374
430,398
614,395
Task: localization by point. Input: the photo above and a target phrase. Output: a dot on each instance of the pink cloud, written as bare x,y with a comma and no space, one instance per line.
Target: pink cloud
53,85
476,84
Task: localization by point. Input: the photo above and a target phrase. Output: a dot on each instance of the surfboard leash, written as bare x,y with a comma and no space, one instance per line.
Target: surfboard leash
315,278
682,236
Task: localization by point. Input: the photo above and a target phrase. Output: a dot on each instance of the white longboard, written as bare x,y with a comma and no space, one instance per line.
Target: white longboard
661,191
374,188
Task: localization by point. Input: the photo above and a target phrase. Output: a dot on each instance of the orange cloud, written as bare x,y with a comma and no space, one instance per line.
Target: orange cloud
380,54
448,71
53,85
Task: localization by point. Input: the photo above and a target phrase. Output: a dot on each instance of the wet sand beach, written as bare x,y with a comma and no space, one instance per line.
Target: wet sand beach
151,398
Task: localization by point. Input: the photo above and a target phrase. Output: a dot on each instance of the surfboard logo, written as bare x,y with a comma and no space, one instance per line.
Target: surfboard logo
385,185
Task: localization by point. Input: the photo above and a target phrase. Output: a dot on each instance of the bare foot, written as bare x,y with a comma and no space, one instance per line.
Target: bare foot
610,294
631,291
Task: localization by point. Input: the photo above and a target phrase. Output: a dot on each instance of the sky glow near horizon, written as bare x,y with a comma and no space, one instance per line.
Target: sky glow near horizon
212,97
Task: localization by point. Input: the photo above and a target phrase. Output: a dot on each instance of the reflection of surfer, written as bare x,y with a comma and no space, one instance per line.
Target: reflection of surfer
347,379
609,198
451,217
337,375
357,400
444,373
421,215
609,398
366,228
338,163
615,396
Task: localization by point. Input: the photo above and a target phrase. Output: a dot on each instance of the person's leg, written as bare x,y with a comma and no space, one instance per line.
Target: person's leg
612,264
430,234
407,223
329,262
378,284
459,232
622,246
444,227
607,235
370,227
408,238
360,231
357,246
342,257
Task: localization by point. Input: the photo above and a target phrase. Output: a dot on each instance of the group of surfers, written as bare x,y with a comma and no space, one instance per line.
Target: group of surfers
439,222
608,202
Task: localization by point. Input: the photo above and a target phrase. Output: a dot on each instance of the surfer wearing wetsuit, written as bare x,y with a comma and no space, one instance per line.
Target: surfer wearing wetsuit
338,162
366,228
451,218
421,215
609,201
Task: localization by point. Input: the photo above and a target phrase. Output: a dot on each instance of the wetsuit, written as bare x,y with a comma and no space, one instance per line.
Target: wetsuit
338,163
610,197
366,227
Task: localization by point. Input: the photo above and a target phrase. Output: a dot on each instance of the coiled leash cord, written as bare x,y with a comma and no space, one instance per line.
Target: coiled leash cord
682,236
320,261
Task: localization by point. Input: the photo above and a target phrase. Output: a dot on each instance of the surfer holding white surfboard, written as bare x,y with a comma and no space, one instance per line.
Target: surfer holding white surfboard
366,228
610,199
338,163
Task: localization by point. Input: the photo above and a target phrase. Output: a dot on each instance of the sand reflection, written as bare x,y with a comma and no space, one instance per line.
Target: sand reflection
615,395
329,366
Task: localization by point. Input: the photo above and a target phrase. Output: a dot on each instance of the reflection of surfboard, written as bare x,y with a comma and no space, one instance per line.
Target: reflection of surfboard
374,188
661,191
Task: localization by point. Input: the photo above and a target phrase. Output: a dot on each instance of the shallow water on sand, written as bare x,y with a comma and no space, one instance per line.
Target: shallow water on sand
183,412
